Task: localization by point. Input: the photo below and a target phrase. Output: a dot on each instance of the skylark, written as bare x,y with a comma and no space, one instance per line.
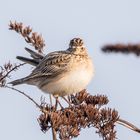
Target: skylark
62,73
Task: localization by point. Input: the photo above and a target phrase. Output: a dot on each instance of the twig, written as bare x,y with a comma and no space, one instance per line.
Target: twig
21,92
128,125
50,96
5,71
14,68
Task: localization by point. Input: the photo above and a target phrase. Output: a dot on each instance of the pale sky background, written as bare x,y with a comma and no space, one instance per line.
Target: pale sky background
98,22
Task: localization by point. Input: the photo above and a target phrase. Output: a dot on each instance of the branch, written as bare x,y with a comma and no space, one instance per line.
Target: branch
23,93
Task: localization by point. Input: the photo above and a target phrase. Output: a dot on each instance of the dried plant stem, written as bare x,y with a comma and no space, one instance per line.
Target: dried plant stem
128,125
50,99
53,130
14,68
31,99
21,92
53,133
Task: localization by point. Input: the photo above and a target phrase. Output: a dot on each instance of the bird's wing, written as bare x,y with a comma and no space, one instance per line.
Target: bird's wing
51,65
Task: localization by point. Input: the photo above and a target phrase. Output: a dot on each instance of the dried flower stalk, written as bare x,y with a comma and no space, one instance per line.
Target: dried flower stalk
123,48
6,70
30,37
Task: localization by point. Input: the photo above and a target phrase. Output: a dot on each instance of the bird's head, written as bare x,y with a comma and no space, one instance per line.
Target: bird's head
76,46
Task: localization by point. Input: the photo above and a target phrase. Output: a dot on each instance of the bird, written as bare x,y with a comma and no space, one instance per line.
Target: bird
60,73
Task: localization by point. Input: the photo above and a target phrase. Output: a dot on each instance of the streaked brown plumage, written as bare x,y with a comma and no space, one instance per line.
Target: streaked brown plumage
61,72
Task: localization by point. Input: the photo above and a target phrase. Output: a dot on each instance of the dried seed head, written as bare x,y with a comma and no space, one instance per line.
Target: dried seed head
83,112
30,37
123,48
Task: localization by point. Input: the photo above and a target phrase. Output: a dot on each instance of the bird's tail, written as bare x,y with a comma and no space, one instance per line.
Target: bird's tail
34,60
28,60
35,57
34,54
18,81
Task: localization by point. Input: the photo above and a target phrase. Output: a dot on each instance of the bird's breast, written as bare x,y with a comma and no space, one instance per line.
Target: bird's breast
72,81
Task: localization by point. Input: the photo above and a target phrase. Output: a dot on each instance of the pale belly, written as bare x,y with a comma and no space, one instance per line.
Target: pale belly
72,82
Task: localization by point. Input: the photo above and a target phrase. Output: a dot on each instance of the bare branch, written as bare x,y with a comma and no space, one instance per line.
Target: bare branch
23,93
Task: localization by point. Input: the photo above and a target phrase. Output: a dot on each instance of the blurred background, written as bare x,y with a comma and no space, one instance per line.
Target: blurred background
98,23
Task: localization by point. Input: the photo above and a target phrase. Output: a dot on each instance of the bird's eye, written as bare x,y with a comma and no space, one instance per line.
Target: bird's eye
82,48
